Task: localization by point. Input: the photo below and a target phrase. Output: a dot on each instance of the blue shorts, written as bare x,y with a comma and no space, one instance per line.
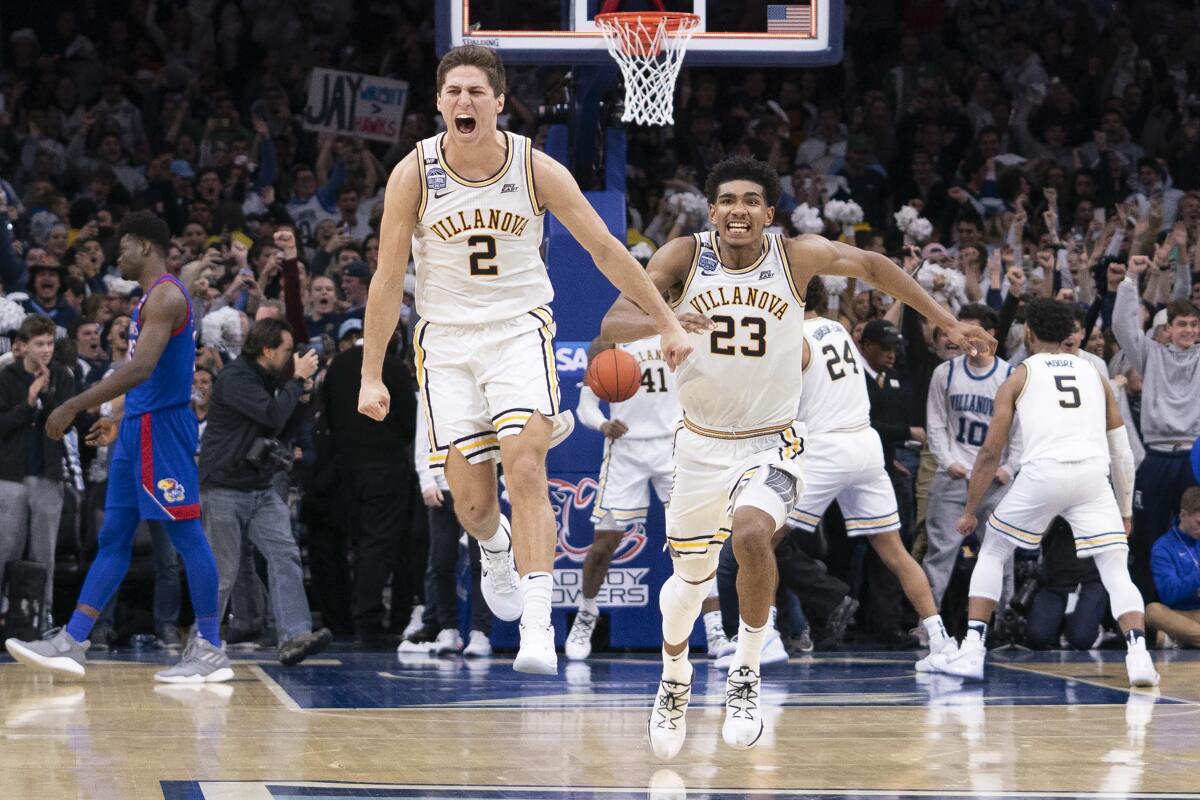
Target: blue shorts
153,466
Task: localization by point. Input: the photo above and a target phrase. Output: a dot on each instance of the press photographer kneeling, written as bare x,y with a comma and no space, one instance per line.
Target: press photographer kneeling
253,416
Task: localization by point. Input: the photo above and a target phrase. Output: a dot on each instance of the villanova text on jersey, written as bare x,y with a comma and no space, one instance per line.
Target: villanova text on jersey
496,221
753,297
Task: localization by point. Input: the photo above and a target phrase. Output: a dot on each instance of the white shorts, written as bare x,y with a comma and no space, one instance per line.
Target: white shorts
847,467
710,473
630,467
481,383
1078,492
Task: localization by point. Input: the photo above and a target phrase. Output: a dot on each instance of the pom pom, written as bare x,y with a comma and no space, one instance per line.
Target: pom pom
807,219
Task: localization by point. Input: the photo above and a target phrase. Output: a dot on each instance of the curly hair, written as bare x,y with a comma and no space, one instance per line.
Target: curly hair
740,168
1051,321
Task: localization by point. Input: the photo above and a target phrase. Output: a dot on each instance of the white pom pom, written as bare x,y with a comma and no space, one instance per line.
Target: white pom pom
807,219
222,329
11,315
835,284
641,251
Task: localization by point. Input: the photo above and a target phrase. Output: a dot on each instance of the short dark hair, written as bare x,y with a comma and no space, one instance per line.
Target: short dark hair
1051,321
35,325
984,315
740,168
148,226
1181,308
816,296
211,374
265,333
472,55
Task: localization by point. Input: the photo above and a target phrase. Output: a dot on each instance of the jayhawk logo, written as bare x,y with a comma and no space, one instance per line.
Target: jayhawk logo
172,491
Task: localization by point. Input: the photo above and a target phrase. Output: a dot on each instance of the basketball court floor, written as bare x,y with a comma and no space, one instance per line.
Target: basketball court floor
371,726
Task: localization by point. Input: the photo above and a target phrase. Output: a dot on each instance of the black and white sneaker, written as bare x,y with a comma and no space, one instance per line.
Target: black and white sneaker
743,723
667,727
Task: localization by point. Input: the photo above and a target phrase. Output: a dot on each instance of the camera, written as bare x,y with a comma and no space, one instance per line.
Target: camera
269,454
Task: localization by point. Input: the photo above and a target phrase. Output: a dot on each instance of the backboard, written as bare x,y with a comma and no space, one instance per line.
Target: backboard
785,33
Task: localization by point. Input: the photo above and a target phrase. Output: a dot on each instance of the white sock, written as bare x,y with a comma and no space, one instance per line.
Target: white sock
713,624
499,541
677,668
936,630
749,646
536,589
590,605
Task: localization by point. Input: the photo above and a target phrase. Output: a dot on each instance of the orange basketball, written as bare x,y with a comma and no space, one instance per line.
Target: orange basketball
614,375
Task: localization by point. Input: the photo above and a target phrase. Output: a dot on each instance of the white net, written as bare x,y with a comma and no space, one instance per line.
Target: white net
649,48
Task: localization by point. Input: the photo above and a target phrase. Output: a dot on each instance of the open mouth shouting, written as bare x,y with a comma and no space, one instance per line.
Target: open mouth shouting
464,123
737,227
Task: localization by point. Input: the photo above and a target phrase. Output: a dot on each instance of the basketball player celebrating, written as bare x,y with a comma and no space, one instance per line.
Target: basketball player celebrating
153,471
1063,407
845,459
470,204
739,449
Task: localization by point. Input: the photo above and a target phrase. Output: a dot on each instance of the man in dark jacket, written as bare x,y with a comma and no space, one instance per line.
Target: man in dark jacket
31,463
245,446
376,459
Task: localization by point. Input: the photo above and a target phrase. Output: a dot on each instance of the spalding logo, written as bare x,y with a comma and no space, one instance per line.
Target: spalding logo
574,501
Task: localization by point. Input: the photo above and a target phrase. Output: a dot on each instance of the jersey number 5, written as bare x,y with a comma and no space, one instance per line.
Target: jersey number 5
724,331
486,254
1065,385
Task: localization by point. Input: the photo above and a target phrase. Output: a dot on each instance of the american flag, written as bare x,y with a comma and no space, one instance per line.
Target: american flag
789,19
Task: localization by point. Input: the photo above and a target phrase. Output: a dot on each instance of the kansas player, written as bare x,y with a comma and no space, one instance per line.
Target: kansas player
1073,439
153,471
739,450
845,459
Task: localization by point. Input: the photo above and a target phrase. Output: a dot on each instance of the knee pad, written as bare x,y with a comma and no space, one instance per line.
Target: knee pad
1123,596
679,602
770,490
987,579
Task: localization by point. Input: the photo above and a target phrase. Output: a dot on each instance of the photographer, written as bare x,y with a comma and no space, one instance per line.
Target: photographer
253,409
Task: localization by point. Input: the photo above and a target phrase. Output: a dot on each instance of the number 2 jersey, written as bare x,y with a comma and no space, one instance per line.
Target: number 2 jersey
745,375
654,411
477,243
835,396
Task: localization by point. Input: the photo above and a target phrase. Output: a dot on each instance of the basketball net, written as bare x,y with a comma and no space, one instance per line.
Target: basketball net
649,47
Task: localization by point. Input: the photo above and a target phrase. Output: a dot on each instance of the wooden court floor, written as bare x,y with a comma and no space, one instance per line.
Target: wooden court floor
369,725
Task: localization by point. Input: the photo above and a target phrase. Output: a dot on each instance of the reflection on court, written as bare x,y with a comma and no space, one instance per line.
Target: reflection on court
367,725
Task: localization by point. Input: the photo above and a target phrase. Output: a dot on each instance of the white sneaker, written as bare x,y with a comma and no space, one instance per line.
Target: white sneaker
414,622
667,727
717,642
743,723
579,640
499,582
478,645
537,655
564,424
448,642
1140,666
947,649
966,662
773,652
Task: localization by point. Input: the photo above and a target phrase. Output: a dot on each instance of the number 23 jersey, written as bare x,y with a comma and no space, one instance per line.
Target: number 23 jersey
477,243
744,375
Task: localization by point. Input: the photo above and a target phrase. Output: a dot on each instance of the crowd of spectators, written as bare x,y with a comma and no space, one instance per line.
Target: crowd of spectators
1050,154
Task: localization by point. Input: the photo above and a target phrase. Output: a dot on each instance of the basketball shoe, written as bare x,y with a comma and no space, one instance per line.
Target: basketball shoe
966,661
500,582
579,640
743,723
946,649
56,652
202,662
536,655
667,727
1139,665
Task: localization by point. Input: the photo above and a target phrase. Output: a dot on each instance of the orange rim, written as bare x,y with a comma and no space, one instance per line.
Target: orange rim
645,24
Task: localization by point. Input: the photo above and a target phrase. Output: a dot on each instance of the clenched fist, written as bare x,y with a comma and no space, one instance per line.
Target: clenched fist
374,400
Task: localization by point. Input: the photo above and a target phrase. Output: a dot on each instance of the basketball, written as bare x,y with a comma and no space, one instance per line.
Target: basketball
614,375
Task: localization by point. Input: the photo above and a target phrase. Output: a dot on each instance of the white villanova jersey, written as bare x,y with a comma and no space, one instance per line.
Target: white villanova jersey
477,243
835,393
746,374
1062,410
654,411
970,404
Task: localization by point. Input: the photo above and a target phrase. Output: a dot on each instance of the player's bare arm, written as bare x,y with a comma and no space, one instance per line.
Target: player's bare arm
992,450
561,195
164,310
1121,470
667,271
815,255
386,292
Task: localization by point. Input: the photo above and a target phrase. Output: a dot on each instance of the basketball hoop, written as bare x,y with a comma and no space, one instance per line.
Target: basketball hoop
649,48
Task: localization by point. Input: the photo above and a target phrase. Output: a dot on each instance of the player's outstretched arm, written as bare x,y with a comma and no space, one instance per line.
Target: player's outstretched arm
560,193
667,271
162,313
815,255
386,293
988,460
